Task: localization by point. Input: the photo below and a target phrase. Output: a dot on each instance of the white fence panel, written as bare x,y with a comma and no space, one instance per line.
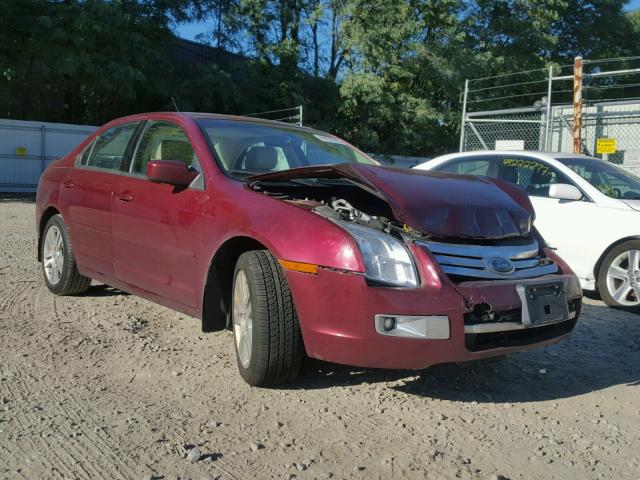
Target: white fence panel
28,147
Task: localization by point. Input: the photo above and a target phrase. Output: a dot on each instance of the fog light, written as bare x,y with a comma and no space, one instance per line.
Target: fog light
432,327
389,324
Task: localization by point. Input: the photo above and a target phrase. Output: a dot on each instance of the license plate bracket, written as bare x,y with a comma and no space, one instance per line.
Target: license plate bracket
543,303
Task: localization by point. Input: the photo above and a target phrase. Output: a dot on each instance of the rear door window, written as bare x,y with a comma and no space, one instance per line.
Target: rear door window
84,156
468,166
109,149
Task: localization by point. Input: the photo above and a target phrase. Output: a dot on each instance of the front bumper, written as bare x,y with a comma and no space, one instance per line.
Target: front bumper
337,311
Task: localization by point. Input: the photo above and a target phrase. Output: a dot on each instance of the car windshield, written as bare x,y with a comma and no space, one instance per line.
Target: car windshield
613,181
246,148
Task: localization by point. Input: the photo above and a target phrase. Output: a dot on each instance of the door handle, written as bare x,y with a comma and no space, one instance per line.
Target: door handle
124,197
67,184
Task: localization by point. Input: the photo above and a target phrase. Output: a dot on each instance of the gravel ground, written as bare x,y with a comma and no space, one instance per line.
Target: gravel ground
110,386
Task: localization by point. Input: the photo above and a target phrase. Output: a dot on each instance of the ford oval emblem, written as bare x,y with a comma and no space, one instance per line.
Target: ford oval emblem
500,265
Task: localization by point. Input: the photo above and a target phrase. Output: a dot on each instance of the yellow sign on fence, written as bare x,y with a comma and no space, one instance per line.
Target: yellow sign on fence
606,145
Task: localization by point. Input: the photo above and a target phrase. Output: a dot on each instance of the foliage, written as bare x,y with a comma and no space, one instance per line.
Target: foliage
386,74
79,61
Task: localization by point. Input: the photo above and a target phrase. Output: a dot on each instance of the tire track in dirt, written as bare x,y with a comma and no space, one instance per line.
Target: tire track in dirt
14,298
67,447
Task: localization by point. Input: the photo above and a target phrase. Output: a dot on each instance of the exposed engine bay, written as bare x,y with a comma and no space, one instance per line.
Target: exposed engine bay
336,199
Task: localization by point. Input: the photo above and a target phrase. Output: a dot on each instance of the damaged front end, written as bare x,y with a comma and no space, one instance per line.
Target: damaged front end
473,228
475,234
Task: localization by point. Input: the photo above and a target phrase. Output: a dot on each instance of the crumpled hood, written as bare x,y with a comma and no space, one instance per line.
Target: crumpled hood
437,204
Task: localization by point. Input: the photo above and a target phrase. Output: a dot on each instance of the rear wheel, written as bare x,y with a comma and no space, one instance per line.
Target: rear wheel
58,262
619,276
266,331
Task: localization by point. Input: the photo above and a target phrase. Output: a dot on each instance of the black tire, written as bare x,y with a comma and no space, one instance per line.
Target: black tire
276,342
603,288
70,281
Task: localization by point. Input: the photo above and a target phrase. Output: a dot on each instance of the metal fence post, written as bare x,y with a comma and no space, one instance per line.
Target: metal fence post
43,147
577,105
547,143
300,121
464,114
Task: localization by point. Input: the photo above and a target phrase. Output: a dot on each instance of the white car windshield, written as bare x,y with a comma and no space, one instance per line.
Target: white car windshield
613,181
249,148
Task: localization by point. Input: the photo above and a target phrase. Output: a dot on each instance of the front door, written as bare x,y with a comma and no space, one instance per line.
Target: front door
157,227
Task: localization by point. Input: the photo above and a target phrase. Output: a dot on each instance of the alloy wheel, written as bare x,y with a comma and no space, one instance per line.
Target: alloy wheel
623,278
242,318
53,254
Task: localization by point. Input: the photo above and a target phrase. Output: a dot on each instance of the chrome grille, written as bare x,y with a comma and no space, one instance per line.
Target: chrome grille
475,260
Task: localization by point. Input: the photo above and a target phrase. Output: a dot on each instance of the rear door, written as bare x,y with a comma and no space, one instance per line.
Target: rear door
86,197
156,227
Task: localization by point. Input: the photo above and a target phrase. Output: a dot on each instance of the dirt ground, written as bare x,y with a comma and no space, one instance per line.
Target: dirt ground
108,386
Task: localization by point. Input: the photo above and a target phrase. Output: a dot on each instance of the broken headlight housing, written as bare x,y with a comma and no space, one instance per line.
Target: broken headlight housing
387,260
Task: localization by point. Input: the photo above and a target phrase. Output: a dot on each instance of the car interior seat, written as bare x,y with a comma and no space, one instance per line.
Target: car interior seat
540,183
261,159
509,174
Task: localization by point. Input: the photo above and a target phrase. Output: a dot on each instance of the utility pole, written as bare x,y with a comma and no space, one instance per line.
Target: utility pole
577,105
547,140
464,114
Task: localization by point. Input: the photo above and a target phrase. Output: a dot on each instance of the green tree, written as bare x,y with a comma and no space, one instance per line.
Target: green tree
81,61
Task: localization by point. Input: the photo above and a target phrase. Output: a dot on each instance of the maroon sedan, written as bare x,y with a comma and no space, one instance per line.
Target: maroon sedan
301,244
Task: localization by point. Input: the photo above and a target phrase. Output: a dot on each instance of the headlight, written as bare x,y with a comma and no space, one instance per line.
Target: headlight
387,260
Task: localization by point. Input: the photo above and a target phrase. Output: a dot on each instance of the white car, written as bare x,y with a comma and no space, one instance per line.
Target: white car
588,209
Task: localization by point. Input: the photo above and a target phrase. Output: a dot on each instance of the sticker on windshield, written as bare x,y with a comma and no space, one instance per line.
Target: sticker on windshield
327,139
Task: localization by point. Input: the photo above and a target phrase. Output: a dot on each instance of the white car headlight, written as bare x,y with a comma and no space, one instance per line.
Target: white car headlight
387,260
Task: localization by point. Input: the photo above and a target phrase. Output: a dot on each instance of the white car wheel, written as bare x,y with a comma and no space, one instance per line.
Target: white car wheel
619,277
623,278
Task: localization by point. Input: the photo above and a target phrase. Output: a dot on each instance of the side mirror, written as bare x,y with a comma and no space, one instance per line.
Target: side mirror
564,191
172,172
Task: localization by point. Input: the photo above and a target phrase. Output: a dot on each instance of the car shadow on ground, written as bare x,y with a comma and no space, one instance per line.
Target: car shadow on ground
602,352
102,290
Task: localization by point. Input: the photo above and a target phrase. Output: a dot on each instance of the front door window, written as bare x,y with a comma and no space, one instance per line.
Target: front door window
164,141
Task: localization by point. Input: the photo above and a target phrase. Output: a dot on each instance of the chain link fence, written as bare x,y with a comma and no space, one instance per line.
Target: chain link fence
619,122
520,129
611,113
526,129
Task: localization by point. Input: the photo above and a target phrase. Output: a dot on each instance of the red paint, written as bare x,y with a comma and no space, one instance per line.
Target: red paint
342,331
157,240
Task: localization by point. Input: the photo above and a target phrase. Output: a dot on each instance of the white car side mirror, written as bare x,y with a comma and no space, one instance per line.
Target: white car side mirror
564,191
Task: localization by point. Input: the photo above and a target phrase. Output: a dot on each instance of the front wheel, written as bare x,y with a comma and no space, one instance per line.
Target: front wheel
58,262
268,342
619,277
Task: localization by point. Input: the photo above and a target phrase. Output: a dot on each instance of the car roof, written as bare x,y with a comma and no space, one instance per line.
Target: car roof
211,116
553,156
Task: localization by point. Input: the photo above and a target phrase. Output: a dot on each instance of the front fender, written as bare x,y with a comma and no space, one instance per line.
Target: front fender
288,231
